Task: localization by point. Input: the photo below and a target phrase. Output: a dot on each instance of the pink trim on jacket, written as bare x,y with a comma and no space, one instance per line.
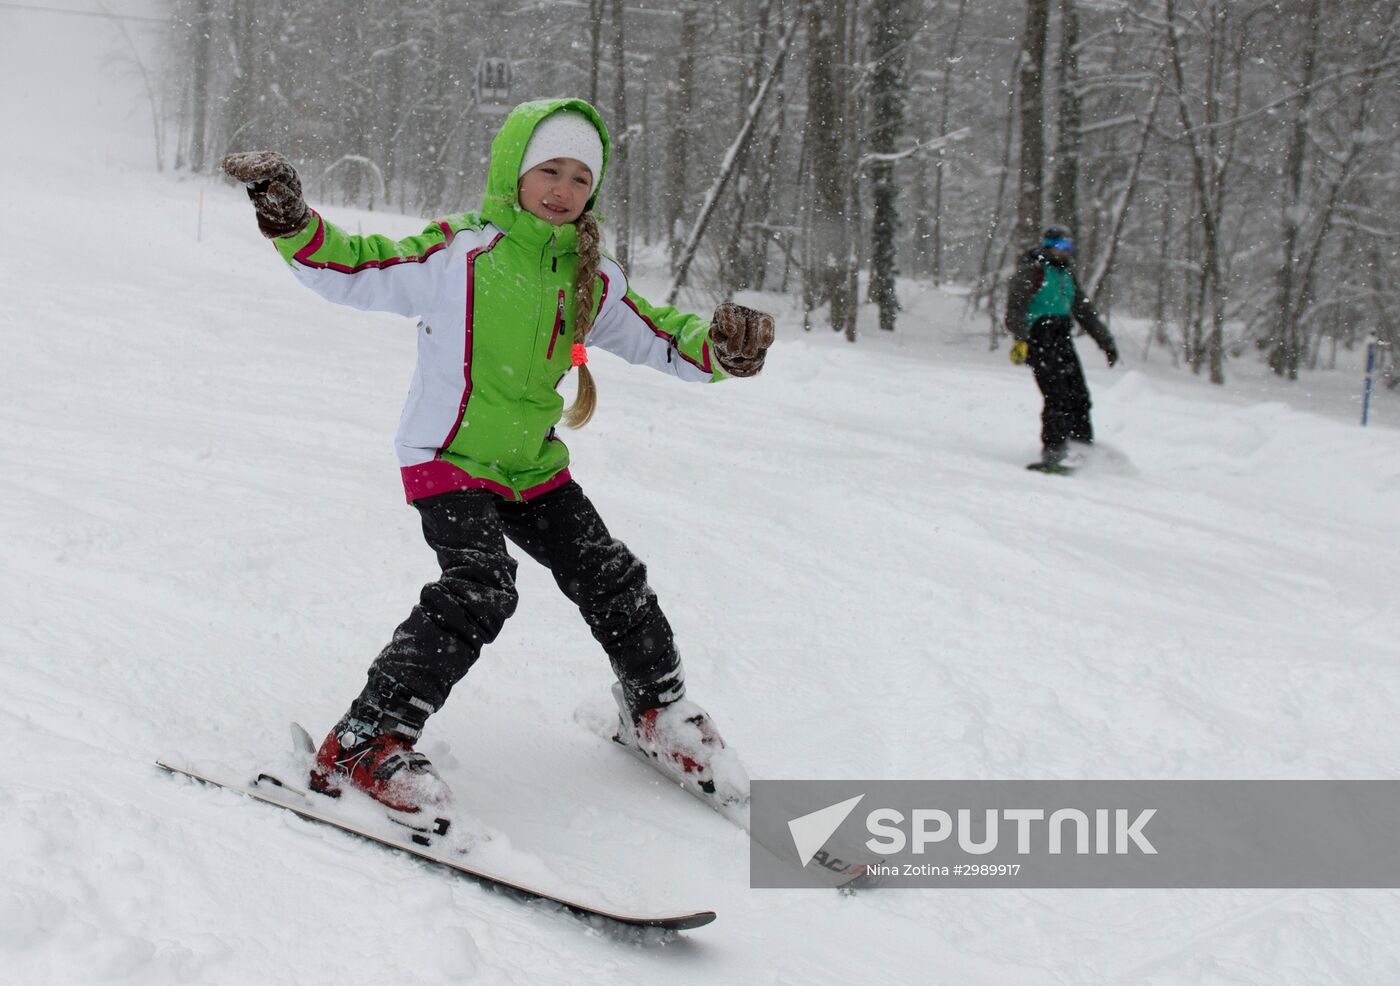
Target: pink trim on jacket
558,325
318,239
553,483
440,476
703,363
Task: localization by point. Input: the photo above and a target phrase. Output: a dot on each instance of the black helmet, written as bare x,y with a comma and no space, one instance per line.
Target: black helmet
1057,233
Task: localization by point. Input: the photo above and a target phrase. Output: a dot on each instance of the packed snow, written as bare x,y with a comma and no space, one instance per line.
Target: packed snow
205,539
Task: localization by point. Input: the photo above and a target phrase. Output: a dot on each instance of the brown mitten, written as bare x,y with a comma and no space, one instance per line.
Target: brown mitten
741,337
273,187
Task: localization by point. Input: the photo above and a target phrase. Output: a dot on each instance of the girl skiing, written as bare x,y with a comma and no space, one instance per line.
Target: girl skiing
509,300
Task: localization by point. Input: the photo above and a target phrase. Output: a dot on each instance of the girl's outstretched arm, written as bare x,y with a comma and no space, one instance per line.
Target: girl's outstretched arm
372,273
666,339
367,272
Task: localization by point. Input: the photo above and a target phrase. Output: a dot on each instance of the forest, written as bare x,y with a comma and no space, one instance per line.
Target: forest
1231,168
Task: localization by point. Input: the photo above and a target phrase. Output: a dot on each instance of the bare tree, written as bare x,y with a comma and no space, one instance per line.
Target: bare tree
595,46
738,265
620,180
728,166
1284,358
681,127
889,36
1119,215
201,31
826,278
1064,185
239,120
993,243
1031,93
1208,142
945,106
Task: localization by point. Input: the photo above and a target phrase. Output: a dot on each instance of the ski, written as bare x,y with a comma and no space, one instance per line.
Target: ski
1054,468
270,790
607,726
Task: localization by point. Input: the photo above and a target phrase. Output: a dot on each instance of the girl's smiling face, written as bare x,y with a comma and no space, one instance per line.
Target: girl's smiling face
556,190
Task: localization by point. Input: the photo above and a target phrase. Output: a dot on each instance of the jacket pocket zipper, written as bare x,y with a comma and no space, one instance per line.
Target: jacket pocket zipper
558,325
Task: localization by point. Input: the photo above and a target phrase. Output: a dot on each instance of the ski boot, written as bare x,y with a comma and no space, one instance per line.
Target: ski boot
681,741
371,750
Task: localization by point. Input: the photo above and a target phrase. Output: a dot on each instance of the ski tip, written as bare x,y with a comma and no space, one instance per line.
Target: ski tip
301,739
624,924
687,922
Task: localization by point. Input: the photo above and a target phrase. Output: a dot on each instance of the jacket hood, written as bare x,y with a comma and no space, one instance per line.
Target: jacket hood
502,202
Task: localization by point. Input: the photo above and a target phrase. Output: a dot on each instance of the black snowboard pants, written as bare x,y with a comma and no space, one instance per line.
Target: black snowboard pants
466,607
1058,373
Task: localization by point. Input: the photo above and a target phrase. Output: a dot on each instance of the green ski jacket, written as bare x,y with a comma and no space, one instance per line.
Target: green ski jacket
493,293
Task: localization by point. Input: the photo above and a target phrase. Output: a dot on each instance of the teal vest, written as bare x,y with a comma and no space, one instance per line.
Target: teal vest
1055,297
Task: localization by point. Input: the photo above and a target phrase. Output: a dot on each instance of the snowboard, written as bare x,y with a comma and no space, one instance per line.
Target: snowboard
1096,459
274,792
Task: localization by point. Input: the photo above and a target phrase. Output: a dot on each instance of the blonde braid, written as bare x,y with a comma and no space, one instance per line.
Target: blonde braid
590,254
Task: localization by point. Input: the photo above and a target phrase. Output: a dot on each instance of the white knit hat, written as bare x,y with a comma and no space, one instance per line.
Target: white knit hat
565,133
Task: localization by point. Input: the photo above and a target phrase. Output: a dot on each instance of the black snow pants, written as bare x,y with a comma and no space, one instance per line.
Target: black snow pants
1058,373
466,607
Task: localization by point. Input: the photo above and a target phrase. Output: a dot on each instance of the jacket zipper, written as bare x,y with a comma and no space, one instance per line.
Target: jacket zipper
554,252
558,325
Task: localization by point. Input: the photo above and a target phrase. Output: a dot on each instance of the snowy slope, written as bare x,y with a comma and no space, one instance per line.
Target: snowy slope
205,538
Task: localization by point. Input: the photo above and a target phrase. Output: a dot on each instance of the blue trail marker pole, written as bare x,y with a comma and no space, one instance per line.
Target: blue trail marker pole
1370,369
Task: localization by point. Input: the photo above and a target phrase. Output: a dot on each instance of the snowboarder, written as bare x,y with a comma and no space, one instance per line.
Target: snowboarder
509,300
1043,302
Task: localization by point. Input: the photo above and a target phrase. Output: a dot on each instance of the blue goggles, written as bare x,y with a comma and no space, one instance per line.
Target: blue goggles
1064,246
